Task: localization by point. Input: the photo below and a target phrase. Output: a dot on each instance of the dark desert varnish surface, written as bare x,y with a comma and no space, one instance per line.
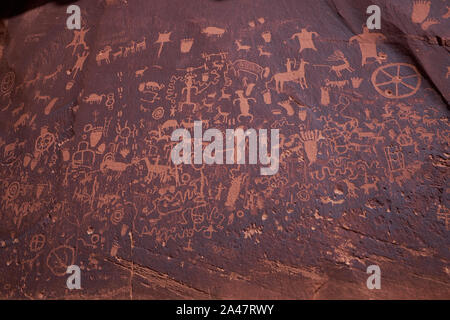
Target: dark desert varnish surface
86,177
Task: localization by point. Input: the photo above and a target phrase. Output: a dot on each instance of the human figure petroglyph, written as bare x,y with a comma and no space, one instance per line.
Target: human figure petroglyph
123,132
173,110
79,63
295,76
305,39
368,45
78,40
244,104
189,81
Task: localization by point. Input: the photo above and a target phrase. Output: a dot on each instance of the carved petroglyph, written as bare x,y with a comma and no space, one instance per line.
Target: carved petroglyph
85,155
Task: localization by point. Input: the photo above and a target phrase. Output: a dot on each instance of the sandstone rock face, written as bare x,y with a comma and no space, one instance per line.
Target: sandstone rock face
86,136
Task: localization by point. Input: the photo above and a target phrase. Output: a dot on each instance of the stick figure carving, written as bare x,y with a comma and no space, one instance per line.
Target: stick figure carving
189,85
78,40
79,63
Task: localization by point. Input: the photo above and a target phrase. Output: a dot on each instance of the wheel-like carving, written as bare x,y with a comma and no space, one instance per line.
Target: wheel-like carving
396,80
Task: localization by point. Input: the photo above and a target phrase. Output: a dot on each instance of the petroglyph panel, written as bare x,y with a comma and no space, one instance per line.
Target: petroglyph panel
86,176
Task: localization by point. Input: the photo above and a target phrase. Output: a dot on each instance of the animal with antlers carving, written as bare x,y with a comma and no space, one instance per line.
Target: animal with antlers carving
338,55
